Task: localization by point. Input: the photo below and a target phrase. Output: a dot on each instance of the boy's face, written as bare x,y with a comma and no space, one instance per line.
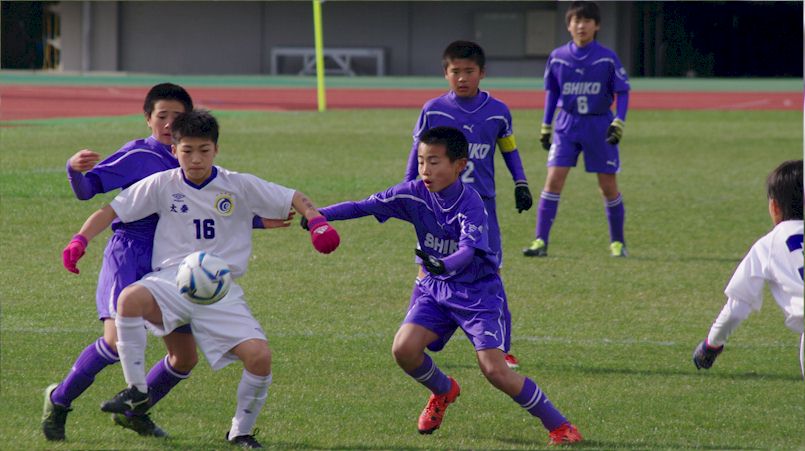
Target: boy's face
464,76
582,30
196,156
435,167
160,120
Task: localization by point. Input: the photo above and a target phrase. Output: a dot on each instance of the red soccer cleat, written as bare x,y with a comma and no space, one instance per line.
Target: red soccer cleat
431,417
565,435
512,361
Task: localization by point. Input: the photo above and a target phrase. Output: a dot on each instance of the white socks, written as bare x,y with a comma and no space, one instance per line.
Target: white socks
252,394
131,341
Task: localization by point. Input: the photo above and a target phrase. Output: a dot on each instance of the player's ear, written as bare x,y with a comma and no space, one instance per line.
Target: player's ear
460,164
173,150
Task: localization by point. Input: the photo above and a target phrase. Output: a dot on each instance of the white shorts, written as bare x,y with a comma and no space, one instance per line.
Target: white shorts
217,328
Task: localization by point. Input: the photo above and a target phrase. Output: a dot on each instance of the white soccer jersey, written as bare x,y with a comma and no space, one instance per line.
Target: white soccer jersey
776,258
215,217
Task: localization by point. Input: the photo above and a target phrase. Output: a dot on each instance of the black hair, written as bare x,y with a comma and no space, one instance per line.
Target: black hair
166,91
583,10
784,187
195,124
451,138
464,50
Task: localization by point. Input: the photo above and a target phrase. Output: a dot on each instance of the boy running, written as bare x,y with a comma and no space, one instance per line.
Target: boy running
461,288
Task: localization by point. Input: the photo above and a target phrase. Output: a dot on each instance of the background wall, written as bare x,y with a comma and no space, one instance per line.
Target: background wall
189,37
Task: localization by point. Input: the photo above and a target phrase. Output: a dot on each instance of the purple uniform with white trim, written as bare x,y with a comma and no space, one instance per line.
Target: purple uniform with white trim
127,256
585,80
472,297
486,123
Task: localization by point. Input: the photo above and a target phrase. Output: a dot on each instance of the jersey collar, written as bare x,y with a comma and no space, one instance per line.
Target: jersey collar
204,183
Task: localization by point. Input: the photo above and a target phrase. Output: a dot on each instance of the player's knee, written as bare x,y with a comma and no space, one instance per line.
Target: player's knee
256,357
404,354
497,375
183,362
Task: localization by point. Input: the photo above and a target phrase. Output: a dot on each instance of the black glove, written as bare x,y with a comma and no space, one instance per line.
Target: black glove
522,196
705,355
615,131
545,131
303,223
432,264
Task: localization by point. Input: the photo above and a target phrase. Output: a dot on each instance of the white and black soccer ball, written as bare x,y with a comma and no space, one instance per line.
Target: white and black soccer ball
203,278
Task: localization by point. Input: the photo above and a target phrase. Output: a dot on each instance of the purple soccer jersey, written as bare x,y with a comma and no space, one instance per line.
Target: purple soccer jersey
127,256
586,78
471,297
483,120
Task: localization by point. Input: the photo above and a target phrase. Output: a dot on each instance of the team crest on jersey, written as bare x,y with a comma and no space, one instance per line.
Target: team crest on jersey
224,204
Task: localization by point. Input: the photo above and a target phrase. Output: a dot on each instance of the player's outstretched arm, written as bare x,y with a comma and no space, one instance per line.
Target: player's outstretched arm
324,237
81,162
95,224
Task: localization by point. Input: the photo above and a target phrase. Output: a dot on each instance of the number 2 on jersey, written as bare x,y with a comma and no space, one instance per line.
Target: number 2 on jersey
205,229
466,176
794,243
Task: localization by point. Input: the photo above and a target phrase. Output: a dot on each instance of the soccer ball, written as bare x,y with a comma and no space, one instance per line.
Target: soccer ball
203,278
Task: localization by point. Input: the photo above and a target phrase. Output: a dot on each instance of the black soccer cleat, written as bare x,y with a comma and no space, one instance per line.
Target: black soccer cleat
244,441
54,417
139,423
705,355
127,400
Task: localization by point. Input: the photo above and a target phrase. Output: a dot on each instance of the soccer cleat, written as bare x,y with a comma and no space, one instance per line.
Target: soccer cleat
512,361
54,416
565,435
705,355
139,423
618,249
432,415
244,441
538,248
128,399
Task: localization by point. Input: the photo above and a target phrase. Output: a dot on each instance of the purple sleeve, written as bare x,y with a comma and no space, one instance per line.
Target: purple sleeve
622,105
412,170
551,98
342,211
458,260
515,165
83,187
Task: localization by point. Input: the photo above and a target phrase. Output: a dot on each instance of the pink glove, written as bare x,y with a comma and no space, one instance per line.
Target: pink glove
325,238
73,252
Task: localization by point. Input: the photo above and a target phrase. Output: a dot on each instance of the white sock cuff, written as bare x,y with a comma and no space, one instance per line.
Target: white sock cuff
255,380
129,321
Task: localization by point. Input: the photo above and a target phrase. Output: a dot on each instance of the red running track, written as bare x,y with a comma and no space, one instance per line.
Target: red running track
44,102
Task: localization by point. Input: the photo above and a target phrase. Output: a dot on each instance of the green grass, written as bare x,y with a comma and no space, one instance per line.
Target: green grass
609,340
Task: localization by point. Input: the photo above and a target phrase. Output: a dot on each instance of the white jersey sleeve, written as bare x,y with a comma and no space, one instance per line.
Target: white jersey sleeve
776,259
138,201
266,199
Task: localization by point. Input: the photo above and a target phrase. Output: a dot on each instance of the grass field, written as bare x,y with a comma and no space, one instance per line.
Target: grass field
609,340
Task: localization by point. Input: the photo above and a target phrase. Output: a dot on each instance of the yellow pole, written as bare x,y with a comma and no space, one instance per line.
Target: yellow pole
322,98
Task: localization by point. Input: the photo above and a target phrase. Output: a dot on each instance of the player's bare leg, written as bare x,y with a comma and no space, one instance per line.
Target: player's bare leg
252,391
608,185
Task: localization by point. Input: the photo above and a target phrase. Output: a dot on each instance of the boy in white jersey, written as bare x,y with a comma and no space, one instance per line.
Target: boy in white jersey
200,207
775,259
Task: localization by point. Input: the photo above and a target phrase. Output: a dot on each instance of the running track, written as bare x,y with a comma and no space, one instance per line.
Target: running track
19,102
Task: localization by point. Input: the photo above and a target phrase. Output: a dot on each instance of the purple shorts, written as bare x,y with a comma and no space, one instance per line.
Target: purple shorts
480,310
575,134
125,261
